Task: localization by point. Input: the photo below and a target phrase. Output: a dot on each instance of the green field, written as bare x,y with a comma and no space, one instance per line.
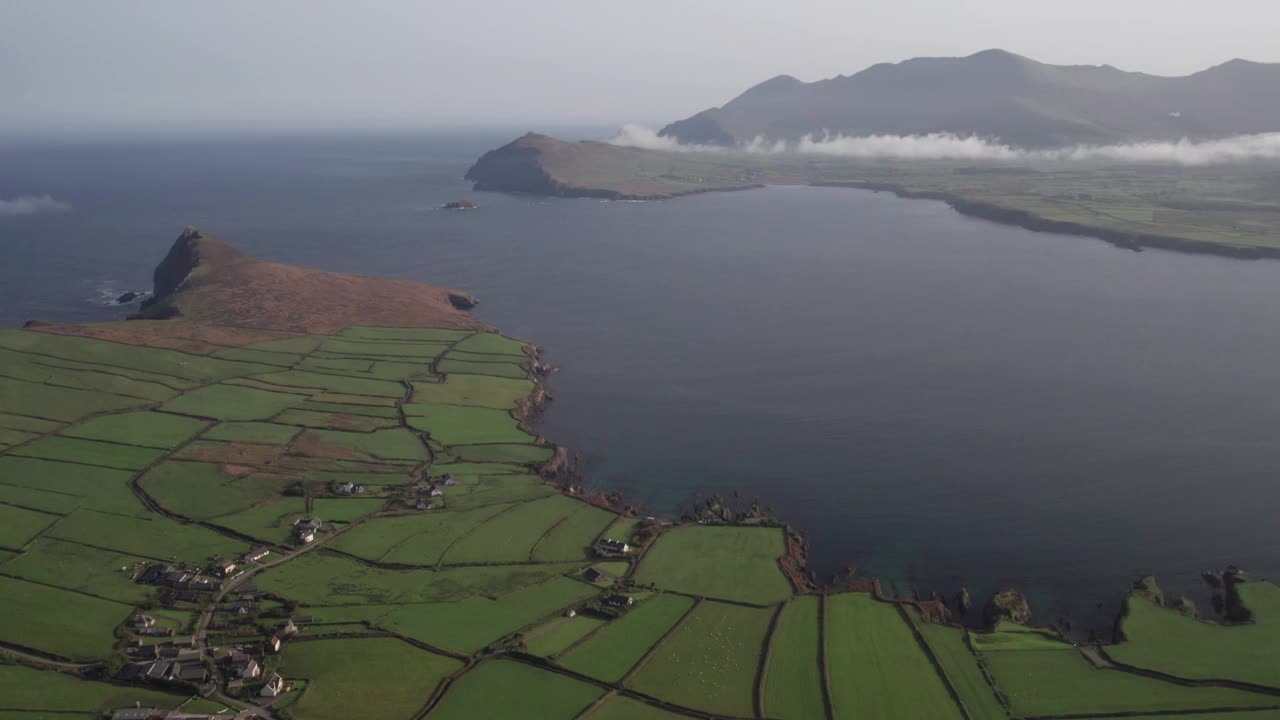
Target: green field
961,666
877,669
371,678
335,383
252,432
573,537
1012,636
511,370
140,536
467,626
149,429
620,707
508,690
617,647
335,421
345,510
418,539
90,452
320,578
492,343
511,536
391,444
201,490
59,693
732,563
232,402
270,522
85,569
462,425
1051,683
19,525
710,662
793,685
58,621
520,454
58,403
555,636
62,487
474,390
1169,642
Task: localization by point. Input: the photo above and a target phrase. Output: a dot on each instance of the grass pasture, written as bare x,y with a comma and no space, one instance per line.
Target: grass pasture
61,487
84,569
462,425
198,368
48,402
320,578
498,489
149,429
335,421
151,537
467,626
58,621
389,444
877,670
1065,683
201,490
512,535
710,662
36,426
473,390
512,370
418,539
733,563
232,402
573,537
344,384
1167,641
517,454
621,707
19,525
492,344
378,411
406,334
555,636
962,668
91,452
617,647
793,685
269,522
509,690
345,510
49,694
1011,636
252,432
375,678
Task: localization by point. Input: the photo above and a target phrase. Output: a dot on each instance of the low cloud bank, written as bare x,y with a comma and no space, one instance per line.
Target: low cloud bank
949,146
32,205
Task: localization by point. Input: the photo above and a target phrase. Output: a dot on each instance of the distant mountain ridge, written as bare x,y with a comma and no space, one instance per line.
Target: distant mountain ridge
997,94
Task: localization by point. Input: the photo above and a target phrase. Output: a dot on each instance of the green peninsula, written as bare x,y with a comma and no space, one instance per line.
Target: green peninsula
305,504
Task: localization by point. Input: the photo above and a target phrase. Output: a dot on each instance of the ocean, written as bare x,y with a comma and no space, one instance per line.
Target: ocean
935,400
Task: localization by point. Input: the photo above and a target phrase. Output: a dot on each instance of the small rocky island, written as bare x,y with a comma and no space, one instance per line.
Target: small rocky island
459,205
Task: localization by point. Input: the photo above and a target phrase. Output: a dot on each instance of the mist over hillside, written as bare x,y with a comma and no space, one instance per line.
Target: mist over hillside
1000,96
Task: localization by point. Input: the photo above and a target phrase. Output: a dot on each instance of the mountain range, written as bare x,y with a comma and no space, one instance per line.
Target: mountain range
998,94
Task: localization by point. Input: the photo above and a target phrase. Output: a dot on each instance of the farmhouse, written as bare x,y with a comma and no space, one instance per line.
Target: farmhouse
436,491
612,548
350,488
274,686
256,555
595,575
247,670
144,621
618,601
423,504
272,645
222,569
448,480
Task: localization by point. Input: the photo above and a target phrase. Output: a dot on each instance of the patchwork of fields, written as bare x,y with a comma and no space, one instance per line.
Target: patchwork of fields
373,499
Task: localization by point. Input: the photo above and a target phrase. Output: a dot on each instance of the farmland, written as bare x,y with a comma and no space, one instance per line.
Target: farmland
724,562
883,672
369,495
376,678
710,662
794,689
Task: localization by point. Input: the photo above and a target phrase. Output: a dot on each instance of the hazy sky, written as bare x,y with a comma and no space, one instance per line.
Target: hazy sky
101,64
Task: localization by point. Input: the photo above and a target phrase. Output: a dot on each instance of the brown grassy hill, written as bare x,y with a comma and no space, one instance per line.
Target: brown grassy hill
208,281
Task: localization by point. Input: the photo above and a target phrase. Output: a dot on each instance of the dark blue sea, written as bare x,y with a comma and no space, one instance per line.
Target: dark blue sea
936,400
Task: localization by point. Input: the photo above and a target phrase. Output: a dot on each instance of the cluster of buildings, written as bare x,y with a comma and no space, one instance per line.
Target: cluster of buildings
349,488
434,489
174,661
242,668
145,626
178,578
